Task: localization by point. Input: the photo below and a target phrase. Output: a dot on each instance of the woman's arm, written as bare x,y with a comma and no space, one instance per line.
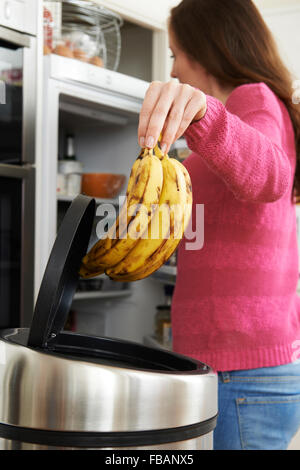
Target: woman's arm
245,152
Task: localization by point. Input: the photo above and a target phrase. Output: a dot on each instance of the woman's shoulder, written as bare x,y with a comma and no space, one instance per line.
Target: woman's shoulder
252,97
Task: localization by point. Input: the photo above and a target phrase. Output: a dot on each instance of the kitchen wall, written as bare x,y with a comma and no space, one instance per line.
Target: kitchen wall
275,3
284,23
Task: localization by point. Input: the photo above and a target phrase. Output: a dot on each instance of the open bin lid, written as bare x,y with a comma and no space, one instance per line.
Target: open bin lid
62,273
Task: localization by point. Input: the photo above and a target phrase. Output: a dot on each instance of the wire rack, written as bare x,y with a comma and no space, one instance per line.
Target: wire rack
101,24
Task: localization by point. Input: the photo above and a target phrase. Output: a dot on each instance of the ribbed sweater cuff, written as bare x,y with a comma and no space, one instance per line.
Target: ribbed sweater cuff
200,129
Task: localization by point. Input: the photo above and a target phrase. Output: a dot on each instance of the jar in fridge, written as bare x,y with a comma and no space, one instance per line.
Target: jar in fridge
71,174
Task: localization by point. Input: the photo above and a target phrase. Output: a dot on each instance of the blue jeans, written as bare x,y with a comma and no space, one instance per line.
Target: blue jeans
259,409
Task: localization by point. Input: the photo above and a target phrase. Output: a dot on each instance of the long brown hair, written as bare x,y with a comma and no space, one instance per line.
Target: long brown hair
230,39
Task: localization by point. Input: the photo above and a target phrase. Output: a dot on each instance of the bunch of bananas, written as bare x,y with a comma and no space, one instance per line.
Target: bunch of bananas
150,224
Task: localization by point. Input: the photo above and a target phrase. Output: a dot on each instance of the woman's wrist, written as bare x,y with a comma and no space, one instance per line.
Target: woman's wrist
200,115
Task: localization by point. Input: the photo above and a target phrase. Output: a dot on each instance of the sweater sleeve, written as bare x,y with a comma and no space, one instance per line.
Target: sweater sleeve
244,147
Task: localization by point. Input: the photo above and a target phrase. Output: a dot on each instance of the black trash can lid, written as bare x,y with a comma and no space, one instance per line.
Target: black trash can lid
61,276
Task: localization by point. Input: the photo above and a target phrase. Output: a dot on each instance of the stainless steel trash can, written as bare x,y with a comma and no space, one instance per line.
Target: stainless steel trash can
61,390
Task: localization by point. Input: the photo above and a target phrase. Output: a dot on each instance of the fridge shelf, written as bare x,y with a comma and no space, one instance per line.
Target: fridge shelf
115,201
102,295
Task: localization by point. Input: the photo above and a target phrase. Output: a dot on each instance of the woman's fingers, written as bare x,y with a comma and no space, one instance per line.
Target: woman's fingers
168,108
154,113
175,117
151,98
194,111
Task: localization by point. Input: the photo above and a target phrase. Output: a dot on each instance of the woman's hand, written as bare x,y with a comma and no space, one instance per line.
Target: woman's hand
168,109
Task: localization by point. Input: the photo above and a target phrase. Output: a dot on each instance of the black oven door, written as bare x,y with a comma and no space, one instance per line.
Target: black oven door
16,245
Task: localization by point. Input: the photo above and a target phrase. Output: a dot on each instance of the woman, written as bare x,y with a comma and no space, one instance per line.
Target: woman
235,305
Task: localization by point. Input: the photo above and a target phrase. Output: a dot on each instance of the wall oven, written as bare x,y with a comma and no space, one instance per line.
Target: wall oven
17,160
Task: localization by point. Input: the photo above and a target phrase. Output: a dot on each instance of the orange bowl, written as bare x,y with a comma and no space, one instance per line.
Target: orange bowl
106,185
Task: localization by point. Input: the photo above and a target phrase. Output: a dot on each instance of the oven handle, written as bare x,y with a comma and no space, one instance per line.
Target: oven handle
14,37
15,171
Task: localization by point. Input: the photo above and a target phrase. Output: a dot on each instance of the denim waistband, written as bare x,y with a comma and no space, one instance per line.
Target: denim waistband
283,372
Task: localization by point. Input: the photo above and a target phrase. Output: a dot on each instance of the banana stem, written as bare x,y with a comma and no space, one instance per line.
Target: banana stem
158,152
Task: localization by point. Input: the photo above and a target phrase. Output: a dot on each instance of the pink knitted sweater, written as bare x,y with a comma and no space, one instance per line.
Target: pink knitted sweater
235,304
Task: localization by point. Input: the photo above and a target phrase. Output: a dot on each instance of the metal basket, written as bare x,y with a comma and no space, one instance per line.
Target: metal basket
99,23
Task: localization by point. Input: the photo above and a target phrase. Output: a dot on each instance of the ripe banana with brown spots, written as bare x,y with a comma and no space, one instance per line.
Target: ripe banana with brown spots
143,192
165,229
149,255
156,234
